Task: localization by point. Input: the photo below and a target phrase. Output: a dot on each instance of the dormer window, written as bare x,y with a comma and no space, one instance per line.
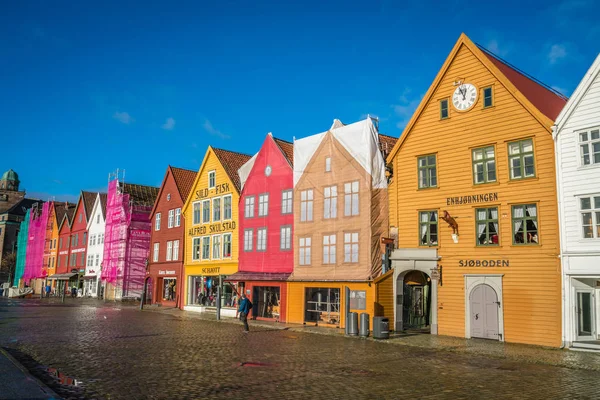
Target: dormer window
212,179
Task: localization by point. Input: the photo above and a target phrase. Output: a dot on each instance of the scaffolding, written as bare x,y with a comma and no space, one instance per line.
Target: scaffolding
36,241
21,249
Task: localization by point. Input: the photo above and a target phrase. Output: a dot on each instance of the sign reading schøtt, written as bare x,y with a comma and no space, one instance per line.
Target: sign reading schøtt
472,199
484,263
211,270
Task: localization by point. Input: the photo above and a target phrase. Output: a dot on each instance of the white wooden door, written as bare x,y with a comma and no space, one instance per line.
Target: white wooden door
484,312
585,313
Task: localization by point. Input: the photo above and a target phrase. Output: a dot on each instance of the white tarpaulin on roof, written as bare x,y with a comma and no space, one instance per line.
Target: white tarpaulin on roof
360,139
245,170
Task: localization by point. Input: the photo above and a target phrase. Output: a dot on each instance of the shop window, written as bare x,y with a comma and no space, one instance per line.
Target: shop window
203,291
157,222
169,289
205,211
329,244
351,206
525,224
590,216
206,248
484,165
488,100
589,147
197,213
171,218
444,109
216,251
286,238
330,203
358,300
227,207
306,205
266,302
212,179
428,228
487,226
178,217
322,305
227,245
248,233
521,160
249,207
261,239
263,205
196,248
286,202
169,250
155,253
304,251
351,247
176,250
427,166
216,209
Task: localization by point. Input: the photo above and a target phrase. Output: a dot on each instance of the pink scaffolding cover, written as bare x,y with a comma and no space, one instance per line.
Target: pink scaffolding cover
36,242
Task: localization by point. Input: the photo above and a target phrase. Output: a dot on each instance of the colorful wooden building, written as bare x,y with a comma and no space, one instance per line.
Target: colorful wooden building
168,237
211,237
266,225
64,278
340,216
96,225
57,215
22,239
78,243
35,270
577,136
473,205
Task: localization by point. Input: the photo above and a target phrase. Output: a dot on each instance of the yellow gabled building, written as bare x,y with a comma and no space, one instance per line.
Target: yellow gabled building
473,205
211,232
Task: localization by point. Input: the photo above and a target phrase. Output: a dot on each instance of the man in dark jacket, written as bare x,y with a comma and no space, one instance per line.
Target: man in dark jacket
244,309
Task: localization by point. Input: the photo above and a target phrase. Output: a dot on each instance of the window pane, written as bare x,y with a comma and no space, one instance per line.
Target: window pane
597,203
587,218
432,177
478,154
527,145
529,169
491,167
431,160
515,167
513,148
422,161
595,134
586,203
583,137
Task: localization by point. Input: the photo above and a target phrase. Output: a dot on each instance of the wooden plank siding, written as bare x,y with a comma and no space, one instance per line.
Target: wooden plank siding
531,284
384,296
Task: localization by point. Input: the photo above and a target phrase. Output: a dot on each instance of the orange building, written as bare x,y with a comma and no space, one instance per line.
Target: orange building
473,205
57,213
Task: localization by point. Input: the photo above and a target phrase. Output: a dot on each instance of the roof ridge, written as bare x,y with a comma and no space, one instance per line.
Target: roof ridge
282,140
231,151
183,169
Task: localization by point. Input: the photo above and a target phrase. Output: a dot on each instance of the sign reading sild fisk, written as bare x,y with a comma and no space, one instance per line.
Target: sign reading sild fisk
214,228
484,263
219,189
472,199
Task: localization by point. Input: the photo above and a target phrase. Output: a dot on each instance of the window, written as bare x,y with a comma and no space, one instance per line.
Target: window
444,109
486,220
484,165
58,262
89,262
589,146
82,259
304,250
168,196
196,249
286,238
76,239
261,239
92,240
227,207
351,247
97,260
306,205
249,207
330,203
212,179
590,216
351,199
196,212
178,217
171,218
248,239
169,250
216,209
328,164
205,211
206,247
329,249
60,242
286,202
80,217
176,250
524,220
155,254
520,157
102,237
263,204
428,228
157,222
427,172
98,219
73,259
227,245
84,239
487,97
216,250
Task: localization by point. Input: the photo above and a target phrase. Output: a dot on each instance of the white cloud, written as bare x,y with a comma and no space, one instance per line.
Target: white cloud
123,117
169,124
208,127
406,107
557,53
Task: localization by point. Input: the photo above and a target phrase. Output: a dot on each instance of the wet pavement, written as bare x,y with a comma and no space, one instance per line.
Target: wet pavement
90,349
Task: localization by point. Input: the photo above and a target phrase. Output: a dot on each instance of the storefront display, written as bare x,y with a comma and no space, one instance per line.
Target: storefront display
203,291
169,289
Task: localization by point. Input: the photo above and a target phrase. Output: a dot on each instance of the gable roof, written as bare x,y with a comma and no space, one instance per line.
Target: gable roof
286,148
68,216
498,69
184,180
386,144
60,210
22,206
583,87
231,162
103,199
140,195
88,203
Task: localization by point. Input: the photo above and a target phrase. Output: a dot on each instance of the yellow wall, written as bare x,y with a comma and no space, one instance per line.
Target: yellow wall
384,296
54,252
199,192
531,284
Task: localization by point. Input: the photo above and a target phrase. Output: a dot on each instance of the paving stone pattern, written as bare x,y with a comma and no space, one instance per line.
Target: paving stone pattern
115,351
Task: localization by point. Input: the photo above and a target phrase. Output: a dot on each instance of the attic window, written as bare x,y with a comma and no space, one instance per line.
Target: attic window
169,197
487,97
328,164
212,179
444,109
80,217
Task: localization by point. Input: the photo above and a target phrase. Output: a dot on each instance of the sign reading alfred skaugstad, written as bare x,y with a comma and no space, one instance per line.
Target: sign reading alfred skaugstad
472,199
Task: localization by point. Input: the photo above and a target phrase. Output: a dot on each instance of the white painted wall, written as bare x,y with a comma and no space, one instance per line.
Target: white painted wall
95,247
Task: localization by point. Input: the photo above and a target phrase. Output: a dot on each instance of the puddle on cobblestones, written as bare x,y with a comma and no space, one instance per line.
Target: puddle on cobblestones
63,379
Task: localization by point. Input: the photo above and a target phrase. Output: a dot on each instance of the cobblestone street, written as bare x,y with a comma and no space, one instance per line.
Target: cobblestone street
115,351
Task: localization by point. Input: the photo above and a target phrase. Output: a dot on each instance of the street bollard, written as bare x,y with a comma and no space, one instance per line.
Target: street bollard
218,303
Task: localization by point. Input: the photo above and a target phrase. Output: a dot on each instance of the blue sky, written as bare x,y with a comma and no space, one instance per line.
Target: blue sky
89,87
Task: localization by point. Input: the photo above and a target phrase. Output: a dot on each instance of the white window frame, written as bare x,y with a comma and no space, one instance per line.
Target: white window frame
97,260
588,144
171,218
177,217
351,199
176,250
249,202
330,196
306,205
207,221
329,249
212,200
199,205
220,252
197,256
169,250
261,239
212,173
230,236
263,204
225,218
156,252
287,201
327,164
304,250
202,248
248,240
351,247
157,222
286,238
594,210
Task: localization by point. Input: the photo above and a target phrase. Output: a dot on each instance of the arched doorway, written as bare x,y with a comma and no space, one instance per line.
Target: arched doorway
413,301
483,316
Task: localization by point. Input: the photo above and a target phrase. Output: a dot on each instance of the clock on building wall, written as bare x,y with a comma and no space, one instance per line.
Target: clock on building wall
464,97
268,170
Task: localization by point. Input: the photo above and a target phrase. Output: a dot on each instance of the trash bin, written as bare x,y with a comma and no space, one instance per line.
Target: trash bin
381,328
352,324
364,325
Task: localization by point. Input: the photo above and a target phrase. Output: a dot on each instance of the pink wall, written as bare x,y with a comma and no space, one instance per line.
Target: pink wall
79,228
281,178
34,261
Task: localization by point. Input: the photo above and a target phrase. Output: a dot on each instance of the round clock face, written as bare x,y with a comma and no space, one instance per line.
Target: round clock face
268,170
464,97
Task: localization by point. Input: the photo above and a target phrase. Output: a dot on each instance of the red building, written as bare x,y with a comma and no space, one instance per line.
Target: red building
63,271
78,240
266,219
165,266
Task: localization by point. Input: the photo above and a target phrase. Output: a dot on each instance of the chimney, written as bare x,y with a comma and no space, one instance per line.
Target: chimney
66,205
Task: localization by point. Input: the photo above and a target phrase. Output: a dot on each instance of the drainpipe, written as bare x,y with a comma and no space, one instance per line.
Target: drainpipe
557,162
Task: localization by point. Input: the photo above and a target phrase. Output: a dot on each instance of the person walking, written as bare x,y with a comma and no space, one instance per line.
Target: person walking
243,310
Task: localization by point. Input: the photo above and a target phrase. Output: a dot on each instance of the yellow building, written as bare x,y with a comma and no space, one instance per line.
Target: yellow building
211,232
51,258
473,205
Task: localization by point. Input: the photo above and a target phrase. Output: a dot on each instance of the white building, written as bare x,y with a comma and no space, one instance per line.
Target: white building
577,138
95,247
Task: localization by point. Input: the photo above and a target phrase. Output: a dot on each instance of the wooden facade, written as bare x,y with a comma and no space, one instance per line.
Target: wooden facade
519,257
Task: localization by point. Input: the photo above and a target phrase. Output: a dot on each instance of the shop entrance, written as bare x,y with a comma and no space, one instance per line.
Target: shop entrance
322,306
585,315
416,301
168,289
266,302
484,312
